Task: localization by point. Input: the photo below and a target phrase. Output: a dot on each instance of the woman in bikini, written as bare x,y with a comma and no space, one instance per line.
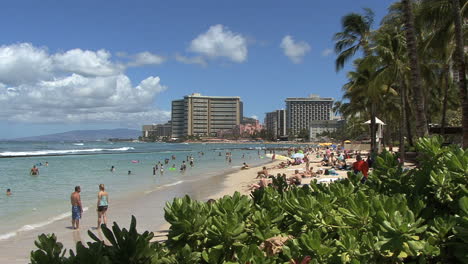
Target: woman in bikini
102,204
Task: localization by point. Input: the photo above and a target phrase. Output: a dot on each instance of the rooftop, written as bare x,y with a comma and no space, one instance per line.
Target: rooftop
198,95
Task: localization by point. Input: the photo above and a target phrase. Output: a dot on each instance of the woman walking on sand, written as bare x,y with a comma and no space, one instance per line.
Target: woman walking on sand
102,204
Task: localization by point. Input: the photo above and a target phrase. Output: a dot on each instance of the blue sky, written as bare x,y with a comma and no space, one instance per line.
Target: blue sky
68,65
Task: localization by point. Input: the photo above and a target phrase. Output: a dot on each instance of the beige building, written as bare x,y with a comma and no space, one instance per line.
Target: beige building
205,116
157,131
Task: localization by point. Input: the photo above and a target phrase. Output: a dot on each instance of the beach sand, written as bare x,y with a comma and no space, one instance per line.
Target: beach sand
149,214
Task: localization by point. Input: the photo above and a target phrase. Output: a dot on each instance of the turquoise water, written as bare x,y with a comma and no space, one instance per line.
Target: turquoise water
43,199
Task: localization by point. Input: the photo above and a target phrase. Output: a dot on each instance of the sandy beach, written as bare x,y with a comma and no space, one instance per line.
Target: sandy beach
148,212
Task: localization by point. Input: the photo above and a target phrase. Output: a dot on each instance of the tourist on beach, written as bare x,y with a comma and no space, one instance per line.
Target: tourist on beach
361,166
112,169
161,169
296,179
77,207
307,161
183,167
262,183
8,192
34,170
154,170
102,205
245,166
263,173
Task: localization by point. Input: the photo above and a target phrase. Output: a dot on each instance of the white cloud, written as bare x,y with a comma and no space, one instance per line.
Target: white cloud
219,41
190,60
73,86
327,52
24,63
146,58
86,62
254,117
295,51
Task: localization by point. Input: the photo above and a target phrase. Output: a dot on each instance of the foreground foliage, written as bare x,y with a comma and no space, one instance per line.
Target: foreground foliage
398,216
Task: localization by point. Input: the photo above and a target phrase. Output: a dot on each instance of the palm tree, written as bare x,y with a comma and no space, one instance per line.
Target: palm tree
356,35
460,64
415,76
445,18
391,49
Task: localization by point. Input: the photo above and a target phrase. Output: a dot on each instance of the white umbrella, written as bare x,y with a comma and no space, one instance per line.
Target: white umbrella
297,155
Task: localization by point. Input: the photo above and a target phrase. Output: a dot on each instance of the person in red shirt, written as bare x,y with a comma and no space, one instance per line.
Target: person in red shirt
361,166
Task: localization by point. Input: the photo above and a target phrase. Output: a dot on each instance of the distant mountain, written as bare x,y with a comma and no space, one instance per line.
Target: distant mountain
86,135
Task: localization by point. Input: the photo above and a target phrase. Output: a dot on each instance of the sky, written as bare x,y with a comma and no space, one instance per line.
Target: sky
67,65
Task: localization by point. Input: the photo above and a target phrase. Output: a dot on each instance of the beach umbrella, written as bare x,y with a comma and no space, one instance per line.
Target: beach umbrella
298,155
300,151
347,141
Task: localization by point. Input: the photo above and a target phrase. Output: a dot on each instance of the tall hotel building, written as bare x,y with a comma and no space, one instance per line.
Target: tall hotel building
205,116
275,123
300,112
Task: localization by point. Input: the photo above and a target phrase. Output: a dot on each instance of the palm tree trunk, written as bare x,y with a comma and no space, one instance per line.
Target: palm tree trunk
401,149
461,67
408,123
415,76
373,130
445,99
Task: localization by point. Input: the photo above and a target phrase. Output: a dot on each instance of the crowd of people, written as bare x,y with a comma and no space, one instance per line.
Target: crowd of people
332,160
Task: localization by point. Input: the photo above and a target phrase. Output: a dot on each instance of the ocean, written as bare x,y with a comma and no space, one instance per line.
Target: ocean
38,201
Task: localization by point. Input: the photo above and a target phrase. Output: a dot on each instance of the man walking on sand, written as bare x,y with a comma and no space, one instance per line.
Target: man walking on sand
77,207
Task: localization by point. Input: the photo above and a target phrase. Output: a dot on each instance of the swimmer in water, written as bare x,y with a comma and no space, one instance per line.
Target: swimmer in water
129,172
34,170
8,192
46,163
112,169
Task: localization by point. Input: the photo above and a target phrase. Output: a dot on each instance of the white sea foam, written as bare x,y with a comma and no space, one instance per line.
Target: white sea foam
67,151
172,184
162,186
30,227
78,144
7,235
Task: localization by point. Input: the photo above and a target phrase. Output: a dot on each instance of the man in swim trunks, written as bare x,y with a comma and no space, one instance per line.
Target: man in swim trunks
34,170
77,207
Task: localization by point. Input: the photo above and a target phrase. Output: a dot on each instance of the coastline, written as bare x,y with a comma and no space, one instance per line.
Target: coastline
147,206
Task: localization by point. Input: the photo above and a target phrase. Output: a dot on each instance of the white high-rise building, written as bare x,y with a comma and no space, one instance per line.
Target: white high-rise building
301,111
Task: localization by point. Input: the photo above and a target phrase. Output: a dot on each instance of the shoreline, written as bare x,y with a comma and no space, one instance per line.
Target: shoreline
148,208
147,205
